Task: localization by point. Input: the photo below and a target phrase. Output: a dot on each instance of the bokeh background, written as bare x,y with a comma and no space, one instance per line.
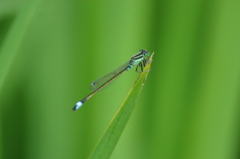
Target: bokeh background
50,52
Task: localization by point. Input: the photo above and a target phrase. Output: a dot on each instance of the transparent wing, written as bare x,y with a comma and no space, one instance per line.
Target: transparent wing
99,82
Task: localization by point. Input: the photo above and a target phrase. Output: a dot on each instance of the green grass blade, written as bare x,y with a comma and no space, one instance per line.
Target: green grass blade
15,36
107,142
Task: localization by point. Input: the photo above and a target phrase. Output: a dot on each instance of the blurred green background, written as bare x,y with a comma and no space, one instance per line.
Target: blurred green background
50,52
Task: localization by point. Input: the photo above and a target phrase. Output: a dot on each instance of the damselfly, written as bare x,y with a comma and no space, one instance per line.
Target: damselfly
138,59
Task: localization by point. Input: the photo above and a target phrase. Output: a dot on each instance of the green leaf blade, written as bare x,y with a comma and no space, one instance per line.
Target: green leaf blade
109,139
15,37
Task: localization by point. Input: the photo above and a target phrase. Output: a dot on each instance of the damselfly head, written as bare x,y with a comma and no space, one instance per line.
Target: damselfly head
144,52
